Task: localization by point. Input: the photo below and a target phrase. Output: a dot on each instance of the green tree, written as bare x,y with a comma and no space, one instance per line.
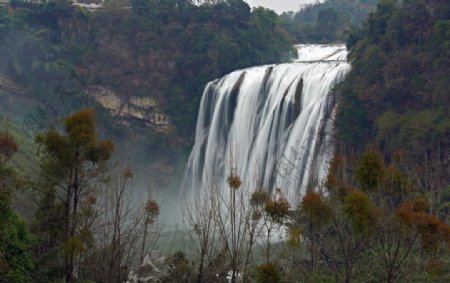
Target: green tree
369,170
317,213
73,163
327,22
16,263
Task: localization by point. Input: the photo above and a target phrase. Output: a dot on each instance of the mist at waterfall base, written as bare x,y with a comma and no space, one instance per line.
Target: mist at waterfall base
271,124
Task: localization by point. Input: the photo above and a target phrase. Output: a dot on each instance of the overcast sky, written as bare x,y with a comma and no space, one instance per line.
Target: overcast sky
279,5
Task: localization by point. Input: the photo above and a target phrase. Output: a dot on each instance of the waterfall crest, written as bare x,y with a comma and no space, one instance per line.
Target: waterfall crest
270,122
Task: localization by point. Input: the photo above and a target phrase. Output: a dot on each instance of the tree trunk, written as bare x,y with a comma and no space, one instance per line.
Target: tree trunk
390,277
72,222
67,208
200,272
143,241
268,246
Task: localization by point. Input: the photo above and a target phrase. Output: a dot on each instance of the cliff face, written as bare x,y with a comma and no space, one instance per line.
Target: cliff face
143,127
144,110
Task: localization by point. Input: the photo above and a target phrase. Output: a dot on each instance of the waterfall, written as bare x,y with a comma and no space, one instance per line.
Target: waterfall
271,123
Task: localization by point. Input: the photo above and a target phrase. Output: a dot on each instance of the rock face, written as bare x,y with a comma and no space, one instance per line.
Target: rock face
143,109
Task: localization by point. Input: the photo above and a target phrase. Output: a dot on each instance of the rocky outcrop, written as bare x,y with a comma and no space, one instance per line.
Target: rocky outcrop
143,109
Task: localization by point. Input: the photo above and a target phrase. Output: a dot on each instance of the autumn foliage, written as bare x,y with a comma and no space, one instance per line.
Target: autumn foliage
278,206
315,206
433,231
385,208
8,147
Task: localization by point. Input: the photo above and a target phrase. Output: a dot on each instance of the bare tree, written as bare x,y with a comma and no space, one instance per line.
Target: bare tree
125,230
203,233
151,216
236,222
225,224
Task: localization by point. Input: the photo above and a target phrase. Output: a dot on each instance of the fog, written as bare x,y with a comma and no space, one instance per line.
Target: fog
280,6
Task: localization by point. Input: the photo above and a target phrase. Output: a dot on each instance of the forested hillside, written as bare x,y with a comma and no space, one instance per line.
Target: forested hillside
397,94
167,50
328,21
142,64
394,108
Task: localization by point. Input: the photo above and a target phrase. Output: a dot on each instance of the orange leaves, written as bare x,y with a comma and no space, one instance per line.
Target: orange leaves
339,174
278,206
432,230
234,181
8,147
80,127
101,151
335,179
310,199
446,233
152,211
380,202
259,198
435,266
411,211
337,187
128,173
337,166
316,208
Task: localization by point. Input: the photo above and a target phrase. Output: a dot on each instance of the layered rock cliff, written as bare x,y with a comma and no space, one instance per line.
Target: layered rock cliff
144,110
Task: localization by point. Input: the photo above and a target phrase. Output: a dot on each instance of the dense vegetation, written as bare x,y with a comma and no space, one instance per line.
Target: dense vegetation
163,49
84,224
15,240
397,94
396,98
370,221
178,47
328,21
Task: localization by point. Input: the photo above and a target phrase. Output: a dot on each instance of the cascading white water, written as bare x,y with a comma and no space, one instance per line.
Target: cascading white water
314,52
270,123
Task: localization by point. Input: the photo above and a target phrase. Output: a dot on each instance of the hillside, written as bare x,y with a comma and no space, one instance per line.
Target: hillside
327,21
143,68
396,97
